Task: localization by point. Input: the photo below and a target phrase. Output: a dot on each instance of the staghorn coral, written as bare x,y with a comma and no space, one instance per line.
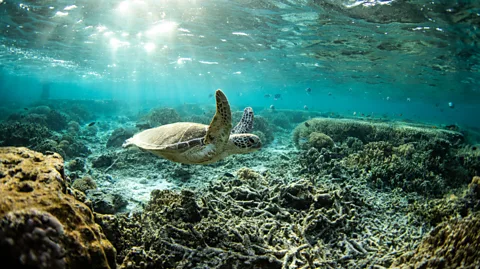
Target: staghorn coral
256,221
32,181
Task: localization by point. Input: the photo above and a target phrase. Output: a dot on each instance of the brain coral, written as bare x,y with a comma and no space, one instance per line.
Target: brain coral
42,225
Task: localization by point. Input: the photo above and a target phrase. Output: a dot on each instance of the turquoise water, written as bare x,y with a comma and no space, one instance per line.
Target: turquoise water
356,56
367,113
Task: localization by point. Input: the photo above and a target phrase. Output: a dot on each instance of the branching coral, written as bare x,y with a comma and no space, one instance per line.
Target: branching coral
255,221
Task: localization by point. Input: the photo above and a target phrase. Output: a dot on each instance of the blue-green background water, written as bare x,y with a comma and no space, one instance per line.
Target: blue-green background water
391,59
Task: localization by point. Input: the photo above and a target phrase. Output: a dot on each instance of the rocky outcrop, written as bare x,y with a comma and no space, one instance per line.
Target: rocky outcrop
41,224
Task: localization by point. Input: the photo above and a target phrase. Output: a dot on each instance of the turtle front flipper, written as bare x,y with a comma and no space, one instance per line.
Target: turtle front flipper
245,125
219,129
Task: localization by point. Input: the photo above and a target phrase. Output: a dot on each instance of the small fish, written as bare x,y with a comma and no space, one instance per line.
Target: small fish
210,95
272,107
329,93
355,113
362,114
308,90
368,116
307,124
25,108
408,99
305,107
277,96
400,114
228,174
267,95
451,105
91,123
388,98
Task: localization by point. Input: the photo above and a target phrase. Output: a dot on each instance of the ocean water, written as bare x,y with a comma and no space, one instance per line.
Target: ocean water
367,111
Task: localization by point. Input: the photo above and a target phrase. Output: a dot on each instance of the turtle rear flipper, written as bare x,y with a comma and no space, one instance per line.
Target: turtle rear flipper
245,125
221,124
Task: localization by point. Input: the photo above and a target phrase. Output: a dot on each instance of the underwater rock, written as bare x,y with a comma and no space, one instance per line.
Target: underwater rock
102,161
35,198
85,183
119,136
106,203
21,230
452,244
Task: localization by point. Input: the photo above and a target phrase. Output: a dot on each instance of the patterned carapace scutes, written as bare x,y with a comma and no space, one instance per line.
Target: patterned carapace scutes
194,143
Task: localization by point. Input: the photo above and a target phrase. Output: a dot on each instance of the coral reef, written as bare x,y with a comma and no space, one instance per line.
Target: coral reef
35,200
85,183
406,157
452,244
162,116
22,134
257,221
56,121
318,141
395,133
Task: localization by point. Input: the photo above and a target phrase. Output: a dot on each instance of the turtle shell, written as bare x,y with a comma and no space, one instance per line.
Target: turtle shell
175,137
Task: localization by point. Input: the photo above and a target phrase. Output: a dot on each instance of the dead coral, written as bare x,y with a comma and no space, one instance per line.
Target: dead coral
255,221
452,244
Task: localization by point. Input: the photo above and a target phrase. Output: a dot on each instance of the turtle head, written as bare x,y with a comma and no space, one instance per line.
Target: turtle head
243,143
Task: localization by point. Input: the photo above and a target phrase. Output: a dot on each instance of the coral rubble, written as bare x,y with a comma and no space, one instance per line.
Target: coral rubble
452,244
257,221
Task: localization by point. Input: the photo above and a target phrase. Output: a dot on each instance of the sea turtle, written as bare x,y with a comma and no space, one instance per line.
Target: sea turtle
195,143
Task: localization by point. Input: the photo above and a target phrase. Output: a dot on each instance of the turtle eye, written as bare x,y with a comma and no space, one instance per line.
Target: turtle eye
251,140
